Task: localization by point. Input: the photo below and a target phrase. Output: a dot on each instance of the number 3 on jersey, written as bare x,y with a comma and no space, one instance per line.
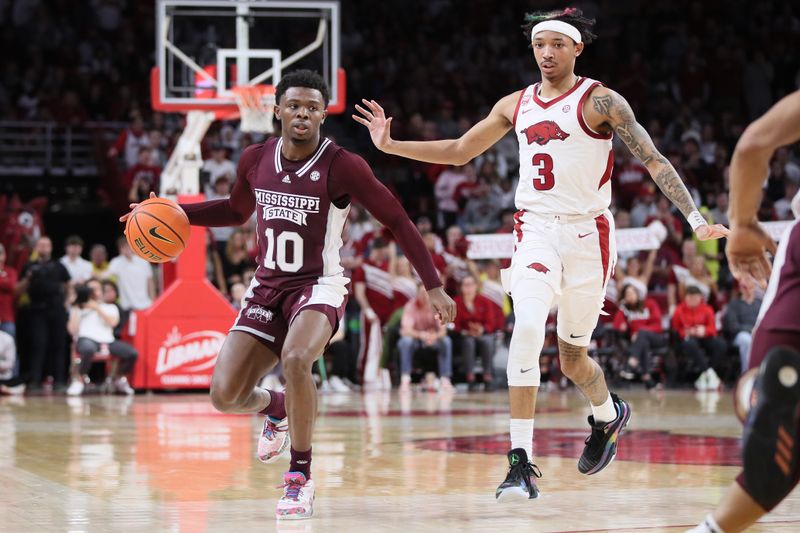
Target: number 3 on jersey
276,251
545,180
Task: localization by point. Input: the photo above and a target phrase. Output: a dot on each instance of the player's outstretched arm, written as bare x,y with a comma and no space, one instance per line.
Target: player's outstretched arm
352,177
749,170
615,111
459,151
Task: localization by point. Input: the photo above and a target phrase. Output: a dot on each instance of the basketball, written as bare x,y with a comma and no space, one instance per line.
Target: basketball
157,230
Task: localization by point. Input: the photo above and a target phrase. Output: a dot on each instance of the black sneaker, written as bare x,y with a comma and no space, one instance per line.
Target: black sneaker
520,483
769,448
601,445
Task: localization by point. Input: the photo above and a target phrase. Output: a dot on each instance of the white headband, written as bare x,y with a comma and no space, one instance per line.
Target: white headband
558,26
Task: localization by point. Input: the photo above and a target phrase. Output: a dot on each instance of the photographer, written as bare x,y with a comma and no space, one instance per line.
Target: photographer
44,280
92,322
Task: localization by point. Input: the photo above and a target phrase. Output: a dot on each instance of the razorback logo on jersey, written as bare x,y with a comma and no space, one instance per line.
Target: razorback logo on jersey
543,132
538,267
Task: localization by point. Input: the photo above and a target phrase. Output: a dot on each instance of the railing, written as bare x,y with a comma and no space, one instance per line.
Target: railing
35,148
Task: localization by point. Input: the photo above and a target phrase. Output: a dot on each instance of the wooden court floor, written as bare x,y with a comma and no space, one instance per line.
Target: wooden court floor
382,462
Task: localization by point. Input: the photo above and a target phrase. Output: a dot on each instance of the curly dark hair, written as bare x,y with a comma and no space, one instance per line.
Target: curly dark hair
570,15
303,78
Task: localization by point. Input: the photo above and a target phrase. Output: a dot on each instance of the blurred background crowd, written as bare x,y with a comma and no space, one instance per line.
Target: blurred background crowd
696,73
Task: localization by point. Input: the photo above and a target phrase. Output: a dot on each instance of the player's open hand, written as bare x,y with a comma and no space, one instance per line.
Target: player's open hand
124,217
746,251
709,232
374,118
443,306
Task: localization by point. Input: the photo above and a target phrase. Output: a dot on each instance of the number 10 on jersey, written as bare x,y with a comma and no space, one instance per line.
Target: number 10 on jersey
543,180
275,257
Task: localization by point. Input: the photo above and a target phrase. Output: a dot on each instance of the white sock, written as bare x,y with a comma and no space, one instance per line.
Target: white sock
522,435
709,525
606,412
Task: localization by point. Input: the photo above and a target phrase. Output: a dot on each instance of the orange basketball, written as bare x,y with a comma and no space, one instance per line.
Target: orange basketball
157,230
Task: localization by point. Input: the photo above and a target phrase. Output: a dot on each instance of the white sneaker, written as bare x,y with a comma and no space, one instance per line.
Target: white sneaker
76,387
713,380
16,390
337,385
297,502
701,383
274,439
405,383
122,386
386,379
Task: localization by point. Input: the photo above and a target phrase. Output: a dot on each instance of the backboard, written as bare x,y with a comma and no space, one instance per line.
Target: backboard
205,48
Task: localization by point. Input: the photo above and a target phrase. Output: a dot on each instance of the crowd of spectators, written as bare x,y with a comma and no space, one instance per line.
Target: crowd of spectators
694,72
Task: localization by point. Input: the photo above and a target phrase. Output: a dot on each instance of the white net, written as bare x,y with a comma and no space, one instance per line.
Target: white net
256,104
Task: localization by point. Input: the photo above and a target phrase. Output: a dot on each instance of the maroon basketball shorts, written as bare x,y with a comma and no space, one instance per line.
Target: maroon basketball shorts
267,313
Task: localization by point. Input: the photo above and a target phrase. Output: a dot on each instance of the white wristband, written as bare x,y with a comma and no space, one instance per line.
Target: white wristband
696,220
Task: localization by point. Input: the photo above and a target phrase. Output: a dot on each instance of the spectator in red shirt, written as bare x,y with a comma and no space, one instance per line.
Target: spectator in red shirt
8,282
142,178
477,322
694,322
640,320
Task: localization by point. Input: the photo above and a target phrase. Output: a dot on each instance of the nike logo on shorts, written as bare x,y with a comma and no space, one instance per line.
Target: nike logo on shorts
582,235
155,234
521,371
571,336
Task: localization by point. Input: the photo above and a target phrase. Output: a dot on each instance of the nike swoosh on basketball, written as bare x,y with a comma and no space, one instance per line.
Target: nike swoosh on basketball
155,234
571,336
521,371
582,235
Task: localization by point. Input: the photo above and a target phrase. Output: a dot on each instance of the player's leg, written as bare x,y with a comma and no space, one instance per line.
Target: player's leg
770,452
243,360
532,302
588,263
305,342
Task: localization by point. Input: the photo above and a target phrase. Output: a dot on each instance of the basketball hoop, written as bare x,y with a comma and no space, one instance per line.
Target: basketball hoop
256,104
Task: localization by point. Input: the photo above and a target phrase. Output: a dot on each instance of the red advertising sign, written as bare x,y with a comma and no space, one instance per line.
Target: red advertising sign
183,352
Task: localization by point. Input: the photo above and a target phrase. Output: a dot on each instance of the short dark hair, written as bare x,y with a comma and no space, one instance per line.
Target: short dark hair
693,289
73,239
303,78
108,283
571,15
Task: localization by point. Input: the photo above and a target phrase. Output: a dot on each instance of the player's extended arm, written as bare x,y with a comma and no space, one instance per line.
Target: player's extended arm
749,170
750,162
231,211
351,176
461,151
615,111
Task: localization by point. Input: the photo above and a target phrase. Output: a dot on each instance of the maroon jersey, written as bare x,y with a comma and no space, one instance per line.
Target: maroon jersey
299,228
301,207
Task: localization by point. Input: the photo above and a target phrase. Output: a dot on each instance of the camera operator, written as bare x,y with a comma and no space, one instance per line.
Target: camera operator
92,322
44,279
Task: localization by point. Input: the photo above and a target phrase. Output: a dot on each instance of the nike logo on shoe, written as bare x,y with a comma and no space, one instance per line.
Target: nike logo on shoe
571,336
521,371
155,234
582,235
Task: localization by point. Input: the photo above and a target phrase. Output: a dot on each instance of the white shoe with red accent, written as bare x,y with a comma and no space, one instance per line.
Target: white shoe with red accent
274,439
297,502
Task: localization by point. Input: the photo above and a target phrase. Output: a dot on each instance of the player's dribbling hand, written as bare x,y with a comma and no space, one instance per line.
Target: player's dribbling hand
746,251
709,232
443,306
124,217
376,122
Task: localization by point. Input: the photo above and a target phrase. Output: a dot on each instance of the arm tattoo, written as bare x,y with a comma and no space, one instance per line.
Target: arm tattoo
620,116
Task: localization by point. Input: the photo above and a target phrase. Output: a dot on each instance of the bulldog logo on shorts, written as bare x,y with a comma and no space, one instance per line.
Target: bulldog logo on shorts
538,267
259,314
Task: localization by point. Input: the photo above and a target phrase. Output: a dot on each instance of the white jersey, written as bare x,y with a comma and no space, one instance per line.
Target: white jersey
565,166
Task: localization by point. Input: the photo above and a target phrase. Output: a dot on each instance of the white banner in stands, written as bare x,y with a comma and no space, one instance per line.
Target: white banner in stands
501,245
